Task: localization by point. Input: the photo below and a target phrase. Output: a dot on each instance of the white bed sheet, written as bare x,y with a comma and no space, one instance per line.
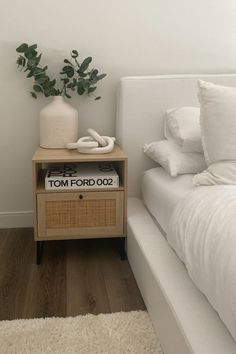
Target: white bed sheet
161,193
202,232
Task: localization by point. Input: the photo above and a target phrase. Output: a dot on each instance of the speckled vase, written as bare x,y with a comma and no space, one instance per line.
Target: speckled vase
58,124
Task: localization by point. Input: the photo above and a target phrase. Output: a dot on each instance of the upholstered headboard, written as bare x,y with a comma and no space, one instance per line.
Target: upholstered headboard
142,102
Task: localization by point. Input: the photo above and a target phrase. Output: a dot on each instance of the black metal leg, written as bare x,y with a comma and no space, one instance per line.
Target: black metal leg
39,251
123,255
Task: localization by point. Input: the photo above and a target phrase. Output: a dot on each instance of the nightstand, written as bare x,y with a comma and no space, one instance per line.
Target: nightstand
81,213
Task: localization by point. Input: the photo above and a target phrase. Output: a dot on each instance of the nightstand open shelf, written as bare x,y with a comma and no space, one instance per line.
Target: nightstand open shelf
78,213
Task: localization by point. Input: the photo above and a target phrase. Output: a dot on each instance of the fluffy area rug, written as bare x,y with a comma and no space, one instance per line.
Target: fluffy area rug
117,333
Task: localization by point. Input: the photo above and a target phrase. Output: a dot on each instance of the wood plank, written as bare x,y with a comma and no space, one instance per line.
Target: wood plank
75,277
86,290
47,283
62,155
14,264
120,283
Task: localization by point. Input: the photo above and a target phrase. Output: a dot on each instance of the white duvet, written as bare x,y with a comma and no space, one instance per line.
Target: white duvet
203,233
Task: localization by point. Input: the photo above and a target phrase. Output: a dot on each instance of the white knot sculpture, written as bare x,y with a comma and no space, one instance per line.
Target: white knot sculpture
93,144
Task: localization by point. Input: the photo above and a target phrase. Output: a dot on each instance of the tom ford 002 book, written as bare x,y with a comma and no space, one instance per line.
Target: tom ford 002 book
81,176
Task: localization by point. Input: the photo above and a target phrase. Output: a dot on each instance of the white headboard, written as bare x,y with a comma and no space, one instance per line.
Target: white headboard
142,102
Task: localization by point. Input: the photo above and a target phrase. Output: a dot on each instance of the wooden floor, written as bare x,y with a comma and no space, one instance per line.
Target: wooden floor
75,277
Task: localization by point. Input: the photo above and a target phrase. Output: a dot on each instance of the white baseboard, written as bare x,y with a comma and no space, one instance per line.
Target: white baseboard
14,219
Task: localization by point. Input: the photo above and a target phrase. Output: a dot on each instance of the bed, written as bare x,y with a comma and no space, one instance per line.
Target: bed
161,193
183,318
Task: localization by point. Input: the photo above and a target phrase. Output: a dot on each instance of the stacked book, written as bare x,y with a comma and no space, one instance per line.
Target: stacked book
81,176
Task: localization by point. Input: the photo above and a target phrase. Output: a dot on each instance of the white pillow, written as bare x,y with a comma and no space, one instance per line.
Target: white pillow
169,155
223,172
184,125
218,121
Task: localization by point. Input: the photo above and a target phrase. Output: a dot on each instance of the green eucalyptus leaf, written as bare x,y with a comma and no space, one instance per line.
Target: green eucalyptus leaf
68,70
74,55
82,74
84,66
33,94
51,92
37,88
93,73
31,73
40,75
38,71
56,92
91,89
32,47
32,63
37,59
46,85
21,61
31,54
40,81
22,48
94,81
80,88
75,52
100,77
65,68
86,84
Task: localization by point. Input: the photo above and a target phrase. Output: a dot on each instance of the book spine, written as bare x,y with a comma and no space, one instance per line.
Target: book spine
59,183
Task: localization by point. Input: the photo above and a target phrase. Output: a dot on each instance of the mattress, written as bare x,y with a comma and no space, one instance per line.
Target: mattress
161,193
181,314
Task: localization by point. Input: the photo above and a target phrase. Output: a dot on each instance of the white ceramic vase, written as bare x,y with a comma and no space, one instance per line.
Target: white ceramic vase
58,124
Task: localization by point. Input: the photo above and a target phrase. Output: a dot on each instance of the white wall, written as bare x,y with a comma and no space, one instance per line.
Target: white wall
125,37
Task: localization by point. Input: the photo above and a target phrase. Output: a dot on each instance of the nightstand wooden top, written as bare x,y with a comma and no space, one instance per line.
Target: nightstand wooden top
62,155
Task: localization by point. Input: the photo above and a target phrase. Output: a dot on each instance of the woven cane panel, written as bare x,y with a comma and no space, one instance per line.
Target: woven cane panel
80,213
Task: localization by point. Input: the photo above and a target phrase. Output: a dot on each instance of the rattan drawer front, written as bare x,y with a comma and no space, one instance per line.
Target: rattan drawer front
80,214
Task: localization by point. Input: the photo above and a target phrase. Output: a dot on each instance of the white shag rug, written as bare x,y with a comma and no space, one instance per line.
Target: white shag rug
117,333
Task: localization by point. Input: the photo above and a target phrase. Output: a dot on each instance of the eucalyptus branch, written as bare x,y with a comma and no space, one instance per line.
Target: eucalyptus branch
75,76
